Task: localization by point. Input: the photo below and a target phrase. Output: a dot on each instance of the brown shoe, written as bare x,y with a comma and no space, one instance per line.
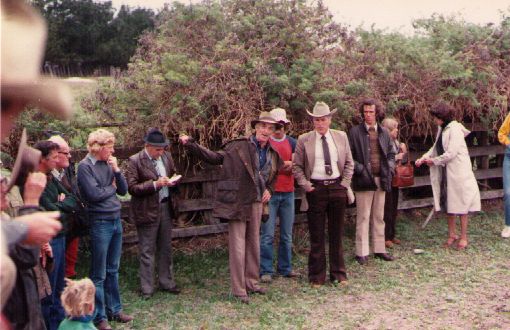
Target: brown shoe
259,290
388,244
243,299
292,274
103,325
315,285
384,256
122,317
396,241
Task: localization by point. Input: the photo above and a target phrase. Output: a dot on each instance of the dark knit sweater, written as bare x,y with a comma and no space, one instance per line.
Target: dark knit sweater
95,180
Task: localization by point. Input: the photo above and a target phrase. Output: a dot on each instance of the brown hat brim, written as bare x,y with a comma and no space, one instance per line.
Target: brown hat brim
50,95
262,120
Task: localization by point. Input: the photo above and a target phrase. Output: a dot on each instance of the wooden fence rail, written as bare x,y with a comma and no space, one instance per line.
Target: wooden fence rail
412,197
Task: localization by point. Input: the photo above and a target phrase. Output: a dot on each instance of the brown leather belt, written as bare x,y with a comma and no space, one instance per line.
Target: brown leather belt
325,182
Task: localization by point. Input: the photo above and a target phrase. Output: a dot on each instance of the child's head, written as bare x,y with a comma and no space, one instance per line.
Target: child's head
78,297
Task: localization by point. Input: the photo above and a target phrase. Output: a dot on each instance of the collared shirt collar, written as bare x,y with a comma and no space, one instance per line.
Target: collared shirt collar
145,150
93,159
257,144
367,126
58,174
328,134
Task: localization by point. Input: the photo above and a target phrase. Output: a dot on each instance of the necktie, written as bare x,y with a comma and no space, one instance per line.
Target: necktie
155,163
163,192
327,157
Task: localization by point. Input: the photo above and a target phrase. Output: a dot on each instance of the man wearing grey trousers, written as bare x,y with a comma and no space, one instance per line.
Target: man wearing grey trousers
148,176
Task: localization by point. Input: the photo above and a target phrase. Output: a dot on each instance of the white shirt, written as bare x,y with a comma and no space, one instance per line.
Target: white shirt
319,170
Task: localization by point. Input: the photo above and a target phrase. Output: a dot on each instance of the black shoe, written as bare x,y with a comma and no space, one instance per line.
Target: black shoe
362,260
174,290
384,256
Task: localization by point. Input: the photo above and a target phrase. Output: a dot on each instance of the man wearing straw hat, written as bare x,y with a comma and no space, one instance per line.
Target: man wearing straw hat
323,166
249,168
23,36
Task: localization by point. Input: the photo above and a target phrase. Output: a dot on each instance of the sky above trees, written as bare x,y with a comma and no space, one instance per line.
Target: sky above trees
387,14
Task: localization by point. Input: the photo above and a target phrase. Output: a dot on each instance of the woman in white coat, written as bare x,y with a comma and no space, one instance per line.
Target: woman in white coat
453,182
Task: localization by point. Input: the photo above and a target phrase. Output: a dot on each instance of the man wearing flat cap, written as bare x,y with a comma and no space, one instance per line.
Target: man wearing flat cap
249,168
148,176
323,166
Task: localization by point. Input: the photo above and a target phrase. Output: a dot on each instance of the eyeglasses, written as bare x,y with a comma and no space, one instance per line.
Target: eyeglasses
68,154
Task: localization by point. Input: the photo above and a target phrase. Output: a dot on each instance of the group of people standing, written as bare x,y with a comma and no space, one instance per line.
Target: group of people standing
256,186
328,164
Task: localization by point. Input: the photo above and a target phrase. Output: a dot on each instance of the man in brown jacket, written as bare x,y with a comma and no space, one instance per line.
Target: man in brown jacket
323,166
249,168
148,177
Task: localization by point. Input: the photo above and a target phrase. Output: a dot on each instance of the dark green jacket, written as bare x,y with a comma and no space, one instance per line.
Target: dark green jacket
49,201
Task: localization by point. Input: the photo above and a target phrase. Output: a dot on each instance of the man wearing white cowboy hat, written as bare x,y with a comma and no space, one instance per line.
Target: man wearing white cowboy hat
249,168
23,34
148,176
281,205
323,166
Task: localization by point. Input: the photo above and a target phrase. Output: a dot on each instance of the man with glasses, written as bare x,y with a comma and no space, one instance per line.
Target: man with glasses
148,177
281,204
65,174
374,163
55,198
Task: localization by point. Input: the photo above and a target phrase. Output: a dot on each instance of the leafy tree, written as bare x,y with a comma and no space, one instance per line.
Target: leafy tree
85,32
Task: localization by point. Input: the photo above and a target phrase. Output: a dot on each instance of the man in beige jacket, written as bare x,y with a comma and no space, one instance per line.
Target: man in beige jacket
323,166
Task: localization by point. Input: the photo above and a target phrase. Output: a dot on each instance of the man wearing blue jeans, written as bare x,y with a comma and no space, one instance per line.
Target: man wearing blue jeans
281,204
99,181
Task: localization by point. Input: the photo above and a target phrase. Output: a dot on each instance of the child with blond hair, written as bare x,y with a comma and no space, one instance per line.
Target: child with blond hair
78,302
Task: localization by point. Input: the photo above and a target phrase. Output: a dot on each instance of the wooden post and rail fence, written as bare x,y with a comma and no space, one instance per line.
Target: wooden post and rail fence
487,161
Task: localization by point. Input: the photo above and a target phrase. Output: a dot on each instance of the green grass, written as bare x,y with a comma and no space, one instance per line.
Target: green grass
440,289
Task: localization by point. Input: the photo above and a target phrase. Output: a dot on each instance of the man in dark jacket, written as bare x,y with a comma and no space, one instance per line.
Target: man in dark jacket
374,162
148,177
99,181
249,168
78,222
55,198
